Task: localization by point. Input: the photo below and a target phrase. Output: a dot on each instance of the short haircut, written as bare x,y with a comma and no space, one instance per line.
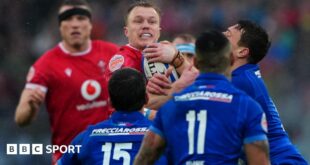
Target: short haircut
212,52
255,38
127,90
141,3
76,3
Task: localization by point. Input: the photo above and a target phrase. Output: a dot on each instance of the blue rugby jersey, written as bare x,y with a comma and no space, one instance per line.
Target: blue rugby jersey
209,122
248,78
114,141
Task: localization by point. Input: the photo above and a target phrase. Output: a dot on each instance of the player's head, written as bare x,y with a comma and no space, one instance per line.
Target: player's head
142,24
249,41
75,26
212,52
185,43
127,90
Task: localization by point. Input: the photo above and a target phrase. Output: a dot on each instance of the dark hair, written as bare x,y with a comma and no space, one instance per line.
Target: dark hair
141,3
212,52
255,38
75,3
127,90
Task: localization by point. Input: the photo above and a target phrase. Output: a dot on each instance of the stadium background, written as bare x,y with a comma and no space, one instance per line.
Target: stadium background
29,27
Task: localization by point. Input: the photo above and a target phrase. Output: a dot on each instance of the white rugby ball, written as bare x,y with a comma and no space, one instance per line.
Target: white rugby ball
150,68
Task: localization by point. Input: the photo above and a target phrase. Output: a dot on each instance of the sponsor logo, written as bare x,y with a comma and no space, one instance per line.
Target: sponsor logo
258,74
101,65
195,162
94,104
119,131
116,62
68,72
90,89
39,149
30,74
205,95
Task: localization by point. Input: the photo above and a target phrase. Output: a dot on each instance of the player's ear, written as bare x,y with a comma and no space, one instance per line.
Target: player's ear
126,31
243,52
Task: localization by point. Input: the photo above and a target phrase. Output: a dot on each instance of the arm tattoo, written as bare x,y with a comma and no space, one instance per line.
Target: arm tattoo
151,149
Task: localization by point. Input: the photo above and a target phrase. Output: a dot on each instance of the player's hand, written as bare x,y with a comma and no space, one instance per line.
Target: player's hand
35,98
187,78
160,52
159,83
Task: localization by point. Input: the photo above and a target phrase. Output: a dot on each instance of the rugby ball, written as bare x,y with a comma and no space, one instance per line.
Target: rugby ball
150,68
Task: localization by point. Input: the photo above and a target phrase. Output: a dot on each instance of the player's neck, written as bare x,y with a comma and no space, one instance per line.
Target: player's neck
237,64
77,49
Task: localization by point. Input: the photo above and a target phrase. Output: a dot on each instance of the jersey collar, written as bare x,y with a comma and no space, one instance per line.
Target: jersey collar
244,67
62,47
127,117
128,45
212,76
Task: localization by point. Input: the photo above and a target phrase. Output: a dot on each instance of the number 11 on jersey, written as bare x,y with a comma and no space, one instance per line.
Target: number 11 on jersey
191,119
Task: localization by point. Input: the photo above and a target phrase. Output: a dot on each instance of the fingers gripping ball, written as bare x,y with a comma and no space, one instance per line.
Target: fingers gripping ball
150,68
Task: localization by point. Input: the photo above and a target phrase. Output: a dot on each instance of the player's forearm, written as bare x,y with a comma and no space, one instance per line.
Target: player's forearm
143,160
151,149
156,101
24,114
26,109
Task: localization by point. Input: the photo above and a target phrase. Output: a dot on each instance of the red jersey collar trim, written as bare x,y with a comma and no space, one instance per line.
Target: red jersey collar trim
62,47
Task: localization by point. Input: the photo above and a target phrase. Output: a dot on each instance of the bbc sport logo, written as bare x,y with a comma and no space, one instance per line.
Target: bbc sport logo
38,149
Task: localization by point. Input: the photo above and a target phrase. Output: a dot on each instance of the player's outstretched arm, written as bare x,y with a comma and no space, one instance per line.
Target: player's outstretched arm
28,106
152,147
160,91
257,153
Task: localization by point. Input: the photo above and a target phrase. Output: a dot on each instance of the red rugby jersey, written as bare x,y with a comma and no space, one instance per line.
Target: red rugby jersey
127,56
75,86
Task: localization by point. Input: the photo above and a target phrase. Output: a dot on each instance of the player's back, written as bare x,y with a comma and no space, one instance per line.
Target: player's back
248,79
209,122
115,141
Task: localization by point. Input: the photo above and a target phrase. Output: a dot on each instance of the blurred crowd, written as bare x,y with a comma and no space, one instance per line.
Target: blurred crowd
30,27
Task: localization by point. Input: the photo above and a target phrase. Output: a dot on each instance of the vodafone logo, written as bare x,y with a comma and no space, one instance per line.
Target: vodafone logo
91,89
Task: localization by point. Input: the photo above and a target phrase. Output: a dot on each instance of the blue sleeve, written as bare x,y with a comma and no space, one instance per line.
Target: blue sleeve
158,126
72,158
256,123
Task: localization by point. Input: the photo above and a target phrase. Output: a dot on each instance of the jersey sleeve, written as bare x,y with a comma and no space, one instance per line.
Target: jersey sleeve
38,76
157,126
72,157
256,123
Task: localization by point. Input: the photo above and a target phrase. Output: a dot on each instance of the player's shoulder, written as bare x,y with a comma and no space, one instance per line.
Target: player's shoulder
105,46
104,43
48,56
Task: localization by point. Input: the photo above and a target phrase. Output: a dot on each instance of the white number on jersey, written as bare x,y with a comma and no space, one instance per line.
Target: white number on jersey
191,119
118,152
